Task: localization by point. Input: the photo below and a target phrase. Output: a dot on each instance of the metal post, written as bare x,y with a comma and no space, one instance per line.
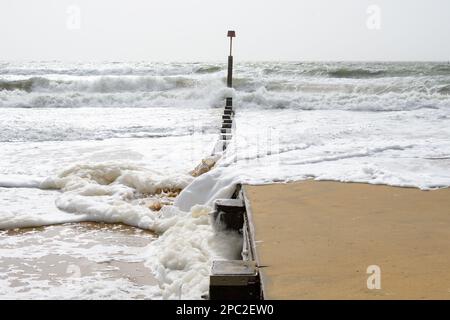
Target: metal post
231,34
231,46
230,72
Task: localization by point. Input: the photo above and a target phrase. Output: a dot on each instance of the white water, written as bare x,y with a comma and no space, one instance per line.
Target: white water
93,142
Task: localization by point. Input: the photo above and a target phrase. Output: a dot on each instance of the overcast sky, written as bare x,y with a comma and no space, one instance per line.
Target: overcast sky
195,30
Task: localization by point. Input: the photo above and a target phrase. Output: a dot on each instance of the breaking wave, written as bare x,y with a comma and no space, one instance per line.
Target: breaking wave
107,84
390,101
23,85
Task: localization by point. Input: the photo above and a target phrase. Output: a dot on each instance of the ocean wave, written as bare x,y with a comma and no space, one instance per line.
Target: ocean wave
354,101
100,69
23,85
354,70
117,92
444,89
355,73
441,69
98,84
302,97
348,86
208,69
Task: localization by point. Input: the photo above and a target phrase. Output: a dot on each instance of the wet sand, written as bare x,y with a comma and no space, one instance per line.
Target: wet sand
63,258
316,239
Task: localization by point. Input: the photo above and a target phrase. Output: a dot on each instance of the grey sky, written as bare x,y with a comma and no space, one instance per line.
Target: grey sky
187,30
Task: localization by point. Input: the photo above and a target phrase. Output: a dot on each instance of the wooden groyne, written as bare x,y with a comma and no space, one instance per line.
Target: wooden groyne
226,130
236,279
233,279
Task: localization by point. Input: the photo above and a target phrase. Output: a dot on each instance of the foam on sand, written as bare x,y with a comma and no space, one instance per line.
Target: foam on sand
41,210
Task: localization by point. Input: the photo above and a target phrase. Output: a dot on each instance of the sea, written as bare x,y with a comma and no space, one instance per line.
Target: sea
114,143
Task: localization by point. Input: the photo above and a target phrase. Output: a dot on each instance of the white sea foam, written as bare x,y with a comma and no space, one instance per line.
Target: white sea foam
182,256
85,288
111,193
20,207
19,181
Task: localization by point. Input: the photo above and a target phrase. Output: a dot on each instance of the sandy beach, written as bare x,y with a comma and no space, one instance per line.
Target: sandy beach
316,239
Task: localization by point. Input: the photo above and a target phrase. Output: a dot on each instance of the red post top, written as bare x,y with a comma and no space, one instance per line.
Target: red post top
231,34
